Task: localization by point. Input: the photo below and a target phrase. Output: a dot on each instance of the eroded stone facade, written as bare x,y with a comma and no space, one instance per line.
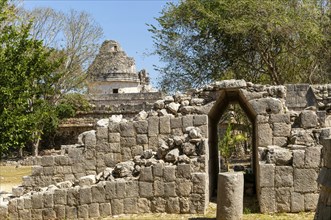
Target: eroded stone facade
166,159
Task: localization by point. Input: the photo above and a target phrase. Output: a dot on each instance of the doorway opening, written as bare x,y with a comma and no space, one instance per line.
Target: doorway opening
232,144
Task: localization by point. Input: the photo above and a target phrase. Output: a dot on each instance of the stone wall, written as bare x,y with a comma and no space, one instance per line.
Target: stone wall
168,157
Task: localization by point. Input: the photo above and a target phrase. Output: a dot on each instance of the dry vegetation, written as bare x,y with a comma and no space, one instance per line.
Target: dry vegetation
11,176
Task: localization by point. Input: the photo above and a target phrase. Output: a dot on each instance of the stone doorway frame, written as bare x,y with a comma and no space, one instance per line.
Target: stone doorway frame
225,97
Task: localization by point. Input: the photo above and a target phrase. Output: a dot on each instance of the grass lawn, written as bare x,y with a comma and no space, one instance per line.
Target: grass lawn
11,176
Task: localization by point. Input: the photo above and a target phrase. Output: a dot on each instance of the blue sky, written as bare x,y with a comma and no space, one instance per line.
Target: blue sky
122,20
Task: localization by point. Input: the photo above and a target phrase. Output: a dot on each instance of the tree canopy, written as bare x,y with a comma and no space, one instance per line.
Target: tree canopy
28,74
263,41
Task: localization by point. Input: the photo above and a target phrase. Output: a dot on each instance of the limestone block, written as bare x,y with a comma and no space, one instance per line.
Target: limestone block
114,127
141,126
199,183
59,211
128,141
172,156
298,158
267,106
105,209
280,118
130,206
36,214
98,194
200,120
145,189
267,200
126,153
114,137
144,205
283,199
120,189
71,212
17,191
169,173
82,211
230,192
146,174
37,170
165,125
177,132
110,190
158,205
197,204
184,171
302,137
158,188
90,164
311,200
204,131
48,213
158,169
173,107
85,195
62,160
90,139
313,157
297,202
73,196
94,210
27,202
283,176
262,119
47,161
172,206
132,189
153,126
48,200
189,149
117,206
279,156
279,141
264,133
170,189
27,181
23,214
60,197
184,187
308,119
281,129
142,139
20,203
176,123
184,204
305,180
267,175
187,121
78,168
37,201
127,129
102,134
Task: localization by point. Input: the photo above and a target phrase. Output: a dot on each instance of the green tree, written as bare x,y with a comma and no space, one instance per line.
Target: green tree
263,41
27,79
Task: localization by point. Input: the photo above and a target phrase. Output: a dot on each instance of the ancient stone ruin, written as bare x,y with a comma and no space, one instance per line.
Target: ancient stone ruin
166,159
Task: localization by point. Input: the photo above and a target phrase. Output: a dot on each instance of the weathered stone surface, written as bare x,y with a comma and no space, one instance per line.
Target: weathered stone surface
184,204
142,139
165,125
102,134
298,158
145,189
153,126
158,205
127,129
105,209
170,189
48,200
71,212
158,170
302,137
297,202
184,171
281,129
158,188
172,156
176,123
144,205
200,120
308,119
280,118
230,193
311,200
169,173
173,107
85,195
47,161
132,189
130,206
283,176
117,206
37,201
279,156
305,180
60,197
280,141
59,211
98,194
267,175
114,137
313,157
141,127
199,183
82,211
173,206
267,200
264,133
267,106
123,169
184,187
146,174
283,199
36,214
189,149
231,83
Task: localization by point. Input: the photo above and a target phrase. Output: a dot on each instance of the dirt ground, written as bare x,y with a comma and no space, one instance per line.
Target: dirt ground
11,176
